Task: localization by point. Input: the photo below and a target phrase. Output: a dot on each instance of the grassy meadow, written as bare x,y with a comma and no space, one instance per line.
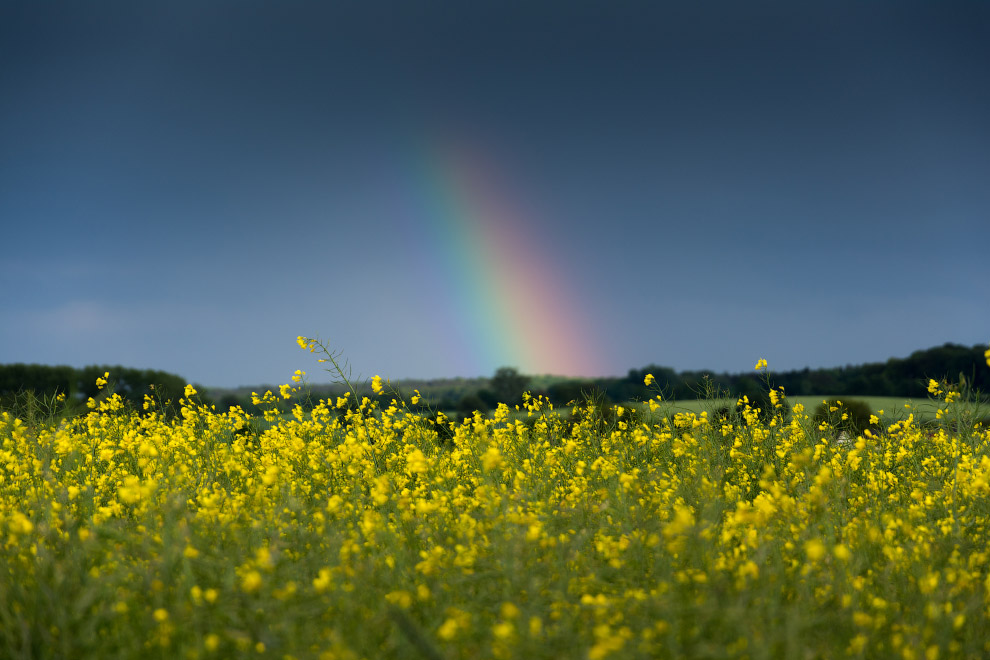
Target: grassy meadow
359,530
893,407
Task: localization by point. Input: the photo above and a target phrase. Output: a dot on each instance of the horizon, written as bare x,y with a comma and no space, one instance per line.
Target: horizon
362,381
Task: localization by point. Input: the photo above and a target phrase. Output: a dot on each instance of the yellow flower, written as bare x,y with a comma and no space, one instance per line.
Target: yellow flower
416,461
491,459
161,615
503,630
509,611
376,385
415,397
19,523
270,475
102,381
190,391
648,380
322,582
842,552
251,581
986,354
814,549
760,364
448,630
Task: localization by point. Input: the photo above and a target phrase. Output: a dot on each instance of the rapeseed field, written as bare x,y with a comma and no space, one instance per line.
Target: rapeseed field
361,529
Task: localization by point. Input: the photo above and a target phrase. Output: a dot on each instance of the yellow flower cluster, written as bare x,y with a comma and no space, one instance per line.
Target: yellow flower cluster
347,531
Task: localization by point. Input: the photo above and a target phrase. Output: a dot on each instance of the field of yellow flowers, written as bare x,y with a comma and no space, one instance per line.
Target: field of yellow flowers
356,530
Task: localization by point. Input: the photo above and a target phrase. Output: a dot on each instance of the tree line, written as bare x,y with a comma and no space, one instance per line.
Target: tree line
901,377
79,384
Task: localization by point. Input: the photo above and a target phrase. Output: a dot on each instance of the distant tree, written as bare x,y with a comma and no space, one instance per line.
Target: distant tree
80,384
750,387
570,391
39,378
633,387
229,400
508,385
469,403
489,398
597,409
851,415
825,381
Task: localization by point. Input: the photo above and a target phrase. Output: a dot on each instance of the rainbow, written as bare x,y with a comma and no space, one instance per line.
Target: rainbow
505,288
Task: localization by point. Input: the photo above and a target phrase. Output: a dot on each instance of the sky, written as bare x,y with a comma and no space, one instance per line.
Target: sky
438,189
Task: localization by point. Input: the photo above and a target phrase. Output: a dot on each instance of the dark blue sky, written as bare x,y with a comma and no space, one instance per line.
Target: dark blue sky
188,186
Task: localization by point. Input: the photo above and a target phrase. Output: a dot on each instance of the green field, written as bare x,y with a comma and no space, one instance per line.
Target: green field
894,408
